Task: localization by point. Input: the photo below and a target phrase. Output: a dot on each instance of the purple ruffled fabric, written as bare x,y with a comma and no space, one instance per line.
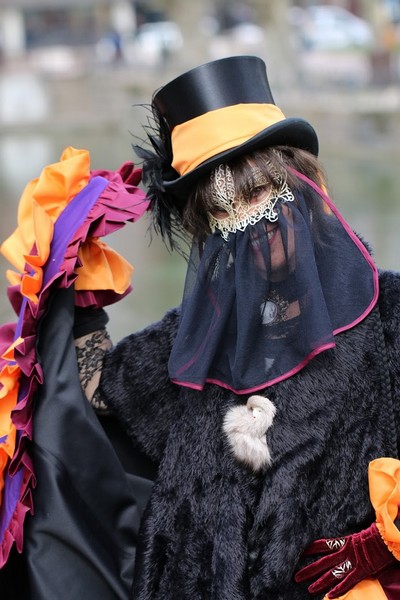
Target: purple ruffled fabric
106,204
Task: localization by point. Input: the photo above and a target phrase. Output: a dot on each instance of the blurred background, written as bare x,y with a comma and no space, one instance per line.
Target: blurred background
77,72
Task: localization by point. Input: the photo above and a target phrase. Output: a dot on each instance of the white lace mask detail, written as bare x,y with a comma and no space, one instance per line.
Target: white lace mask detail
237,212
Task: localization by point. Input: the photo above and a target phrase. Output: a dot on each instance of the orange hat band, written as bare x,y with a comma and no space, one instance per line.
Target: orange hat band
203,137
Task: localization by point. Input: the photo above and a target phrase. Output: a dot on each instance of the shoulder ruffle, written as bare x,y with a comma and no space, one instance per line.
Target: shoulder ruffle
384,486
61,217
384,490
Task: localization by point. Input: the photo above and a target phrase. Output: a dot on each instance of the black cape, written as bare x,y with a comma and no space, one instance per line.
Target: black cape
81,540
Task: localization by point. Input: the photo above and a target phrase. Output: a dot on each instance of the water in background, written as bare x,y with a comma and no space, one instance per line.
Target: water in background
360,153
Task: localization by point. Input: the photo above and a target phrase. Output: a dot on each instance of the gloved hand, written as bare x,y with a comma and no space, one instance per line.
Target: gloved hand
350,559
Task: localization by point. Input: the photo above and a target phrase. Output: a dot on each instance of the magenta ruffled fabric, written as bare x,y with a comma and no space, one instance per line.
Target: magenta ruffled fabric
106,202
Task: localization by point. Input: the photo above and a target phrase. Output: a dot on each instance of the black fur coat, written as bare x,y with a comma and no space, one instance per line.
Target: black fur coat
213,529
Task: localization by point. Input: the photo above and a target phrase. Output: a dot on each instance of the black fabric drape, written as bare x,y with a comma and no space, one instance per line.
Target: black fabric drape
81,541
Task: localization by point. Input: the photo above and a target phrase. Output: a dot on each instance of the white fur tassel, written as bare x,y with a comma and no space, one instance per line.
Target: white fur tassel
245,427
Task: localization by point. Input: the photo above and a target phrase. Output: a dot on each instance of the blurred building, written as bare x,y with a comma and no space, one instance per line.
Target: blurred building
28,24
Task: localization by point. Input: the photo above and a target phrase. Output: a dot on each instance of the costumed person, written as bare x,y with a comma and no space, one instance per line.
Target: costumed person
268,401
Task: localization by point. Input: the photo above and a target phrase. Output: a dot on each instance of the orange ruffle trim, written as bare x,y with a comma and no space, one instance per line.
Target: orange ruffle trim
384,491
367,589
42,201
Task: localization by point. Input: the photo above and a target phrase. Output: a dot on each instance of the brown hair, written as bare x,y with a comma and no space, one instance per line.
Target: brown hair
274,163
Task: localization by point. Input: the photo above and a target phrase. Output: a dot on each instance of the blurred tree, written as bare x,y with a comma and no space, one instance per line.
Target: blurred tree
271,15
382,56
190,16
280,55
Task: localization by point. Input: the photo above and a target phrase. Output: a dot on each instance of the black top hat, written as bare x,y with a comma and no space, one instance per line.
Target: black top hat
219,111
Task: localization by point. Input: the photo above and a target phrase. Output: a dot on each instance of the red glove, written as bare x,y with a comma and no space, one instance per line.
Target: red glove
350,559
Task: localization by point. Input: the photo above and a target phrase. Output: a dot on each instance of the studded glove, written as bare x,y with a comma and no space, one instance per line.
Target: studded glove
349,560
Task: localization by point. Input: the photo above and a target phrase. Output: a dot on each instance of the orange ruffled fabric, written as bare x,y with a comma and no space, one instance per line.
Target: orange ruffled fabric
101,276
384,490
102,268
368,589
42,201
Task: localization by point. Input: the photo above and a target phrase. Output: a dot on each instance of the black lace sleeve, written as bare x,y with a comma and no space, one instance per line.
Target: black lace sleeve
90,351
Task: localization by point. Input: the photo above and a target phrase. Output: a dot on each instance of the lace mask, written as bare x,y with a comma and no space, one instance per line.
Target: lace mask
237,212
